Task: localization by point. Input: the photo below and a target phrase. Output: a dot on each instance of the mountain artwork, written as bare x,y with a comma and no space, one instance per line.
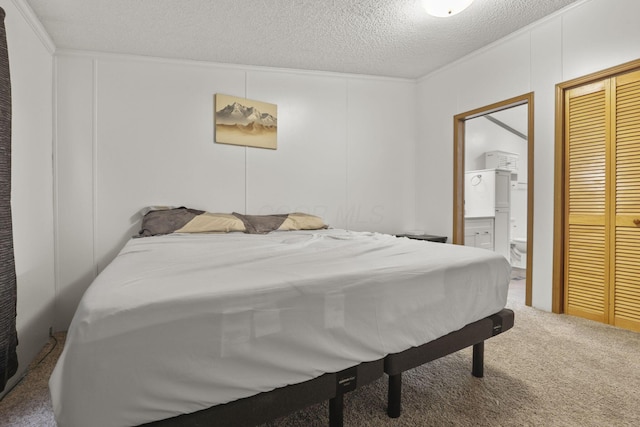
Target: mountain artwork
241,121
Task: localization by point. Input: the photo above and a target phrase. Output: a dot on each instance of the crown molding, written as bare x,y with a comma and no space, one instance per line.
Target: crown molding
98,55
33,21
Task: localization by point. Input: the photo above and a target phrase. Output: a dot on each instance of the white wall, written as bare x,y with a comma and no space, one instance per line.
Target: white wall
581,39
134,132
30,61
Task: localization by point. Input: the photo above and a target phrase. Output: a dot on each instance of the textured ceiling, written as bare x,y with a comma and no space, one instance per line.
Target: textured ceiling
377,37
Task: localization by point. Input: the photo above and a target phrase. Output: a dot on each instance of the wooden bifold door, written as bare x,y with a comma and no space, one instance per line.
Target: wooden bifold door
602,201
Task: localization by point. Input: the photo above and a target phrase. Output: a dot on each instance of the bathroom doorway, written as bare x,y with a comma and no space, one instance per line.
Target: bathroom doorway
493,179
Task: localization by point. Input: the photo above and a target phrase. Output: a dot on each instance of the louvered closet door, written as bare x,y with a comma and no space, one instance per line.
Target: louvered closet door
586,235
625,293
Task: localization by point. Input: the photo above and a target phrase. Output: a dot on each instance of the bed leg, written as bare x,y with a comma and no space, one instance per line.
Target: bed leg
336,409
478,360
394,396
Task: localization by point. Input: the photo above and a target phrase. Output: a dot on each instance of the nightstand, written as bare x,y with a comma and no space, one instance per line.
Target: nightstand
427,237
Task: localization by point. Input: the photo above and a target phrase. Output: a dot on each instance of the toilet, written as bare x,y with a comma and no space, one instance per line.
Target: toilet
519,252
520,244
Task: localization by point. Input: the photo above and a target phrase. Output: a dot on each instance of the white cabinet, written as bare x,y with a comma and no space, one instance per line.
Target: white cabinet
503,160
503,189
488,210
478,232
502,226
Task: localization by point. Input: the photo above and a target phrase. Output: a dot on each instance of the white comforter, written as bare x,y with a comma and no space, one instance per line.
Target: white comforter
179,323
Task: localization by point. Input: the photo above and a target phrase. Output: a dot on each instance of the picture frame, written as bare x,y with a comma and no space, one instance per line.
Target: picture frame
246,122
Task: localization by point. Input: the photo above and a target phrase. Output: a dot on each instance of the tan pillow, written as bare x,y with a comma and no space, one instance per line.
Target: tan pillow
212,223
302,221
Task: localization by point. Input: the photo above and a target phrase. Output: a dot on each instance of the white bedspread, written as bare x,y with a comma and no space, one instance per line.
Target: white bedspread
179,323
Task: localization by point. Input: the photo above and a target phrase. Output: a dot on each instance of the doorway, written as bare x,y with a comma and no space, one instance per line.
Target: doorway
476,149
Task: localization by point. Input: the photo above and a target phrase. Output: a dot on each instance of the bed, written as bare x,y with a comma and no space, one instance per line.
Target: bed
243,326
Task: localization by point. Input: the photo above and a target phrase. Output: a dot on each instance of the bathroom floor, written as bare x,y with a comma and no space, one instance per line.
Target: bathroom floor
517,286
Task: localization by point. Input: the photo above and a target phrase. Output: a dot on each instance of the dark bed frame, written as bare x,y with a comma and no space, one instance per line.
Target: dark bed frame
474,334
270,405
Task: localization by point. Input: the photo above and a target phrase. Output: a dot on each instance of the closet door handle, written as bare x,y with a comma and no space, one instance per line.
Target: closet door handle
636,221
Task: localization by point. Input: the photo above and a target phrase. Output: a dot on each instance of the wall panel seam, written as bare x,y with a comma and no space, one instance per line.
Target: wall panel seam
94,160
55,183
346,155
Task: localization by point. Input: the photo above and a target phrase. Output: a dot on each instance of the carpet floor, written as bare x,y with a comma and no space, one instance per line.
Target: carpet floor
549,370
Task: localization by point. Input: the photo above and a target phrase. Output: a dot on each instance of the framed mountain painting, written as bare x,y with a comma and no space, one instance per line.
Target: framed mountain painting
241,121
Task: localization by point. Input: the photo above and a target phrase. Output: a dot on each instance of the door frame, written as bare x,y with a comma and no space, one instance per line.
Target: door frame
558,285
459,169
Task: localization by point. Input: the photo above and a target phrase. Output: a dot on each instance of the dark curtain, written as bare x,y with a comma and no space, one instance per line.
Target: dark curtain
8,333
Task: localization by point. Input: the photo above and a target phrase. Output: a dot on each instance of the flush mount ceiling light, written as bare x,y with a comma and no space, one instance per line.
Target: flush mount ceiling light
444,8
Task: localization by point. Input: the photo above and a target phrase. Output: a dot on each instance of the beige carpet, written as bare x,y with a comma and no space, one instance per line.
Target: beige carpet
549,370
28,404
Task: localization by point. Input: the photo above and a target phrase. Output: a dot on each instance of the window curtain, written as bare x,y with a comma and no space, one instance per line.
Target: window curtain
8,291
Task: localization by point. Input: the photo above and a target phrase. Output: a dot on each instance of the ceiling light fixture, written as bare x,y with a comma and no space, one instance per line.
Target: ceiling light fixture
445,8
